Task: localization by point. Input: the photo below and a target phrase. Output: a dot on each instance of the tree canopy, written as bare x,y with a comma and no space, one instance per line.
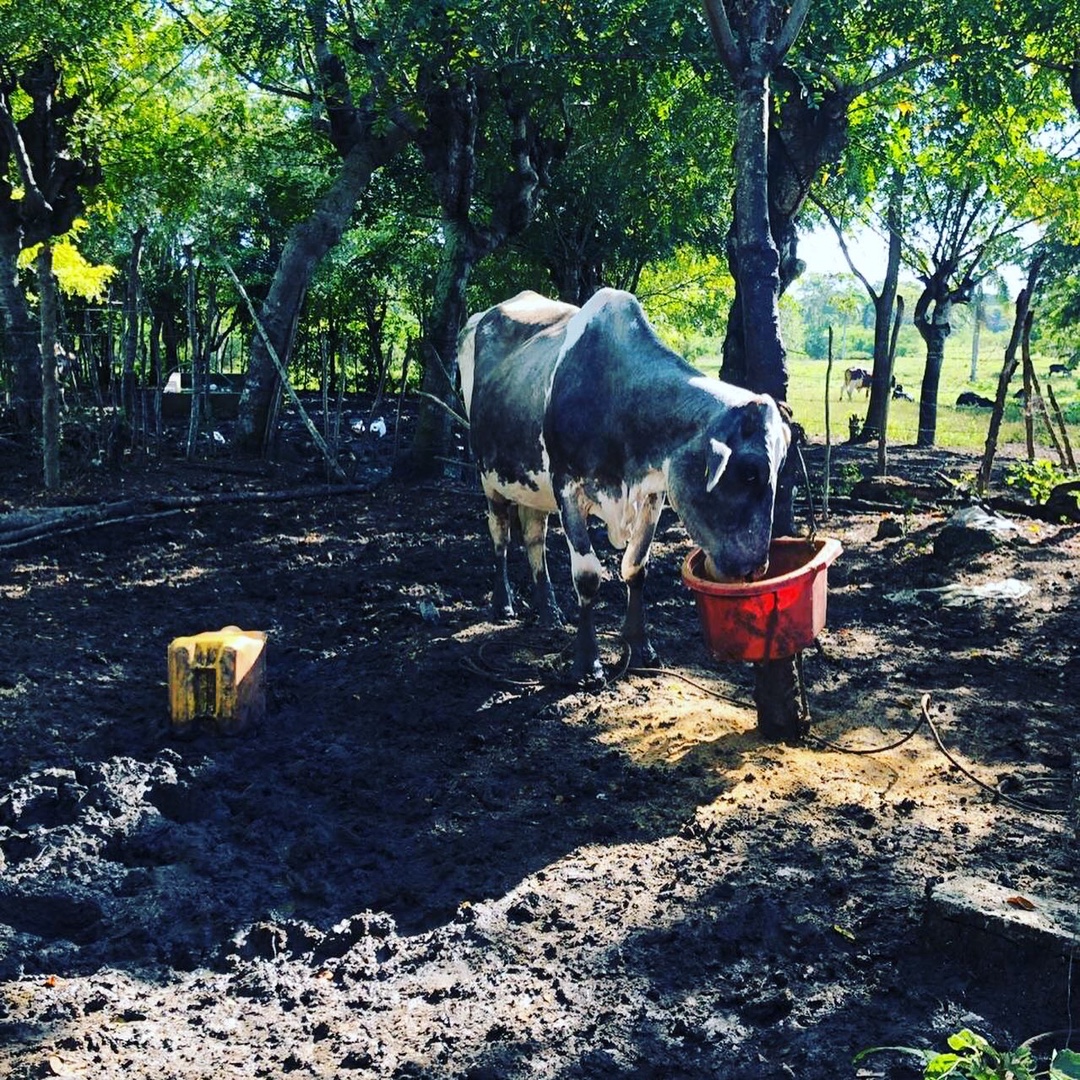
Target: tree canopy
371,172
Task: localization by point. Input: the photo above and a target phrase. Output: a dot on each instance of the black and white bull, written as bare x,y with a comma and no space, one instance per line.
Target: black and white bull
856,378
585,412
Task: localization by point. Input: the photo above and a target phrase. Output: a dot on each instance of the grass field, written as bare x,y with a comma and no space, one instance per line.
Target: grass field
957,428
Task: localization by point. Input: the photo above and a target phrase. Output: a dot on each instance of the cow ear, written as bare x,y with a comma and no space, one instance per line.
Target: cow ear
716,462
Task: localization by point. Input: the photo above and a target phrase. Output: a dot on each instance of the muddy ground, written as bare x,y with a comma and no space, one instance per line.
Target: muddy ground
434,859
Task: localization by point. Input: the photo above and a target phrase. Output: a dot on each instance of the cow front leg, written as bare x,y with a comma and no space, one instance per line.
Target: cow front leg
634,573
534,525
502,606
585,567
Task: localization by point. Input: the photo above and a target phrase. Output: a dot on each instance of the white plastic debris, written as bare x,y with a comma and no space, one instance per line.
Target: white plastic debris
957,595
975,517
172,385
378,427
357,427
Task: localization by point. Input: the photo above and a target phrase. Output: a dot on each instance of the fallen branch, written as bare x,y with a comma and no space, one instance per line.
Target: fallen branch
283,375
20,529
1061,505
442,405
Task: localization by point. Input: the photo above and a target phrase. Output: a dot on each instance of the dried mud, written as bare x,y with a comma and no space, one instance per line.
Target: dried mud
435,859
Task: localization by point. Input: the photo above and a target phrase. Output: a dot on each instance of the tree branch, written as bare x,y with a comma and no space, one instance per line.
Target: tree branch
313,431
790,30
723,35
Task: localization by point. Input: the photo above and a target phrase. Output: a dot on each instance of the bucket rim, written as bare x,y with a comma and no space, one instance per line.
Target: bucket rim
828,549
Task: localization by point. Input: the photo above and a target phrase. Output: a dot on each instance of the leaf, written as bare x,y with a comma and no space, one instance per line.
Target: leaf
942,1065
1021,902
847,935
926,1055
1065,1065
965,1039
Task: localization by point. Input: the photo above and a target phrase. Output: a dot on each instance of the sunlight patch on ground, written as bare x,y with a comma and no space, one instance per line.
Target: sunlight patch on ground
174,577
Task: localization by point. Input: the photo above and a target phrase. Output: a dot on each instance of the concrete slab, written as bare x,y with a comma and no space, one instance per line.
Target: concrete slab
1030,942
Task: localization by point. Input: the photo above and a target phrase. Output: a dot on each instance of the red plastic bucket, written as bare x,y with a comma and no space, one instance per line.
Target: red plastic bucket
780,615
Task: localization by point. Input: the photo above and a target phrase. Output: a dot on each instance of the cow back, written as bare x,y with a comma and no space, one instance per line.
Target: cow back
620,399
506,358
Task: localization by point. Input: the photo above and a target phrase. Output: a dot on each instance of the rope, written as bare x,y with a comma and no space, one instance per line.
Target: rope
809,492
992,789
490,671
487,669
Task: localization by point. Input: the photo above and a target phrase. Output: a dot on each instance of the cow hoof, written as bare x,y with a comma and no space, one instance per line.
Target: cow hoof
588,678
643,656
586,668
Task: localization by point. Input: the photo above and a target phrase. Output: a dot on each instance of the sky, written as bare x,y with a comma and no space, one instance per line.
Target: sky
820,250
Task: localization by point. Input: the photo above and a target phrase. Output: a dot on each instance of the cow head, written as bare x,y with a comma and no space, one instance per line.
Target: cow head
723,486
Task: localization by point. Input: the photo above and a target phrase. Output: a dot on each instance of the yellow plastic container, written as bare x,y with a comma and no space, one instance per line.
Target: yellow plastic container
218,678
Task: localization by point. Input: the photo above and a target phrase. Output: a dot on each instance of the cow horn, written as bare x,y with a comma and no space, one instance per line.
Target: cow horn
716,463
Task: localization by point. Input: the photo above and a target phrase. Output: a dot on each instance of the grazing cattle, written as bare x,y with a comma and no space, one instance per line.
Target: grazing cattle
583,411
969,399
1059,369
856,378
899,393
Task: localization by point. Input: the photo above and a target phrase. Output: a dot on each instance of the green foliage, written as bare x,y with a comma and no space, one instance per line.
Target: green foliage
847,476
971,1057
75,275
688,297
1036,479
832,301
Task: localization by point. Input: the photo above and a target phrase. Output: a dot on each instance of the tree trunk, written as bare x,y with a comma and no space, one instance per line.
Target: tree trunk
781,714
883,434
449,144
782,711
22,338
131,326
764,367
753,350
877,411
308,243
934,336
810,134
198,380
933,312
50,393
1012,355
979,313
448,312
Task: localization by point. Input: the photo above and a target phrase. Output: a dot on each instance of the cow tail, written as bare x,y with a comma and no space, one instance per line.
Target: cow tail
466,359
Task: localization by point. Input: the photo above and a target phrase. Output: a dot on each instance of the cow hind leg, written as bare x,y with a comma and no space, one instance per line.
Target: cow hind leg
534,525
502,605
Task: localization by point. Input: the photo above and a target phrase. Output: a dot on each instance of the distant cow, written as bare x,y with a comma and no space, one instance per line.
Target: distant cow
64,366
1059,369
583,411
899,393
968,399
856,378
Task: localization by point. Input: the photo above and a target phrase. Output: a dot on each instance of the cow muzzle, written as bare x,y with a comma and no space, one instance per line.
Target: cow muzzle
734,577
